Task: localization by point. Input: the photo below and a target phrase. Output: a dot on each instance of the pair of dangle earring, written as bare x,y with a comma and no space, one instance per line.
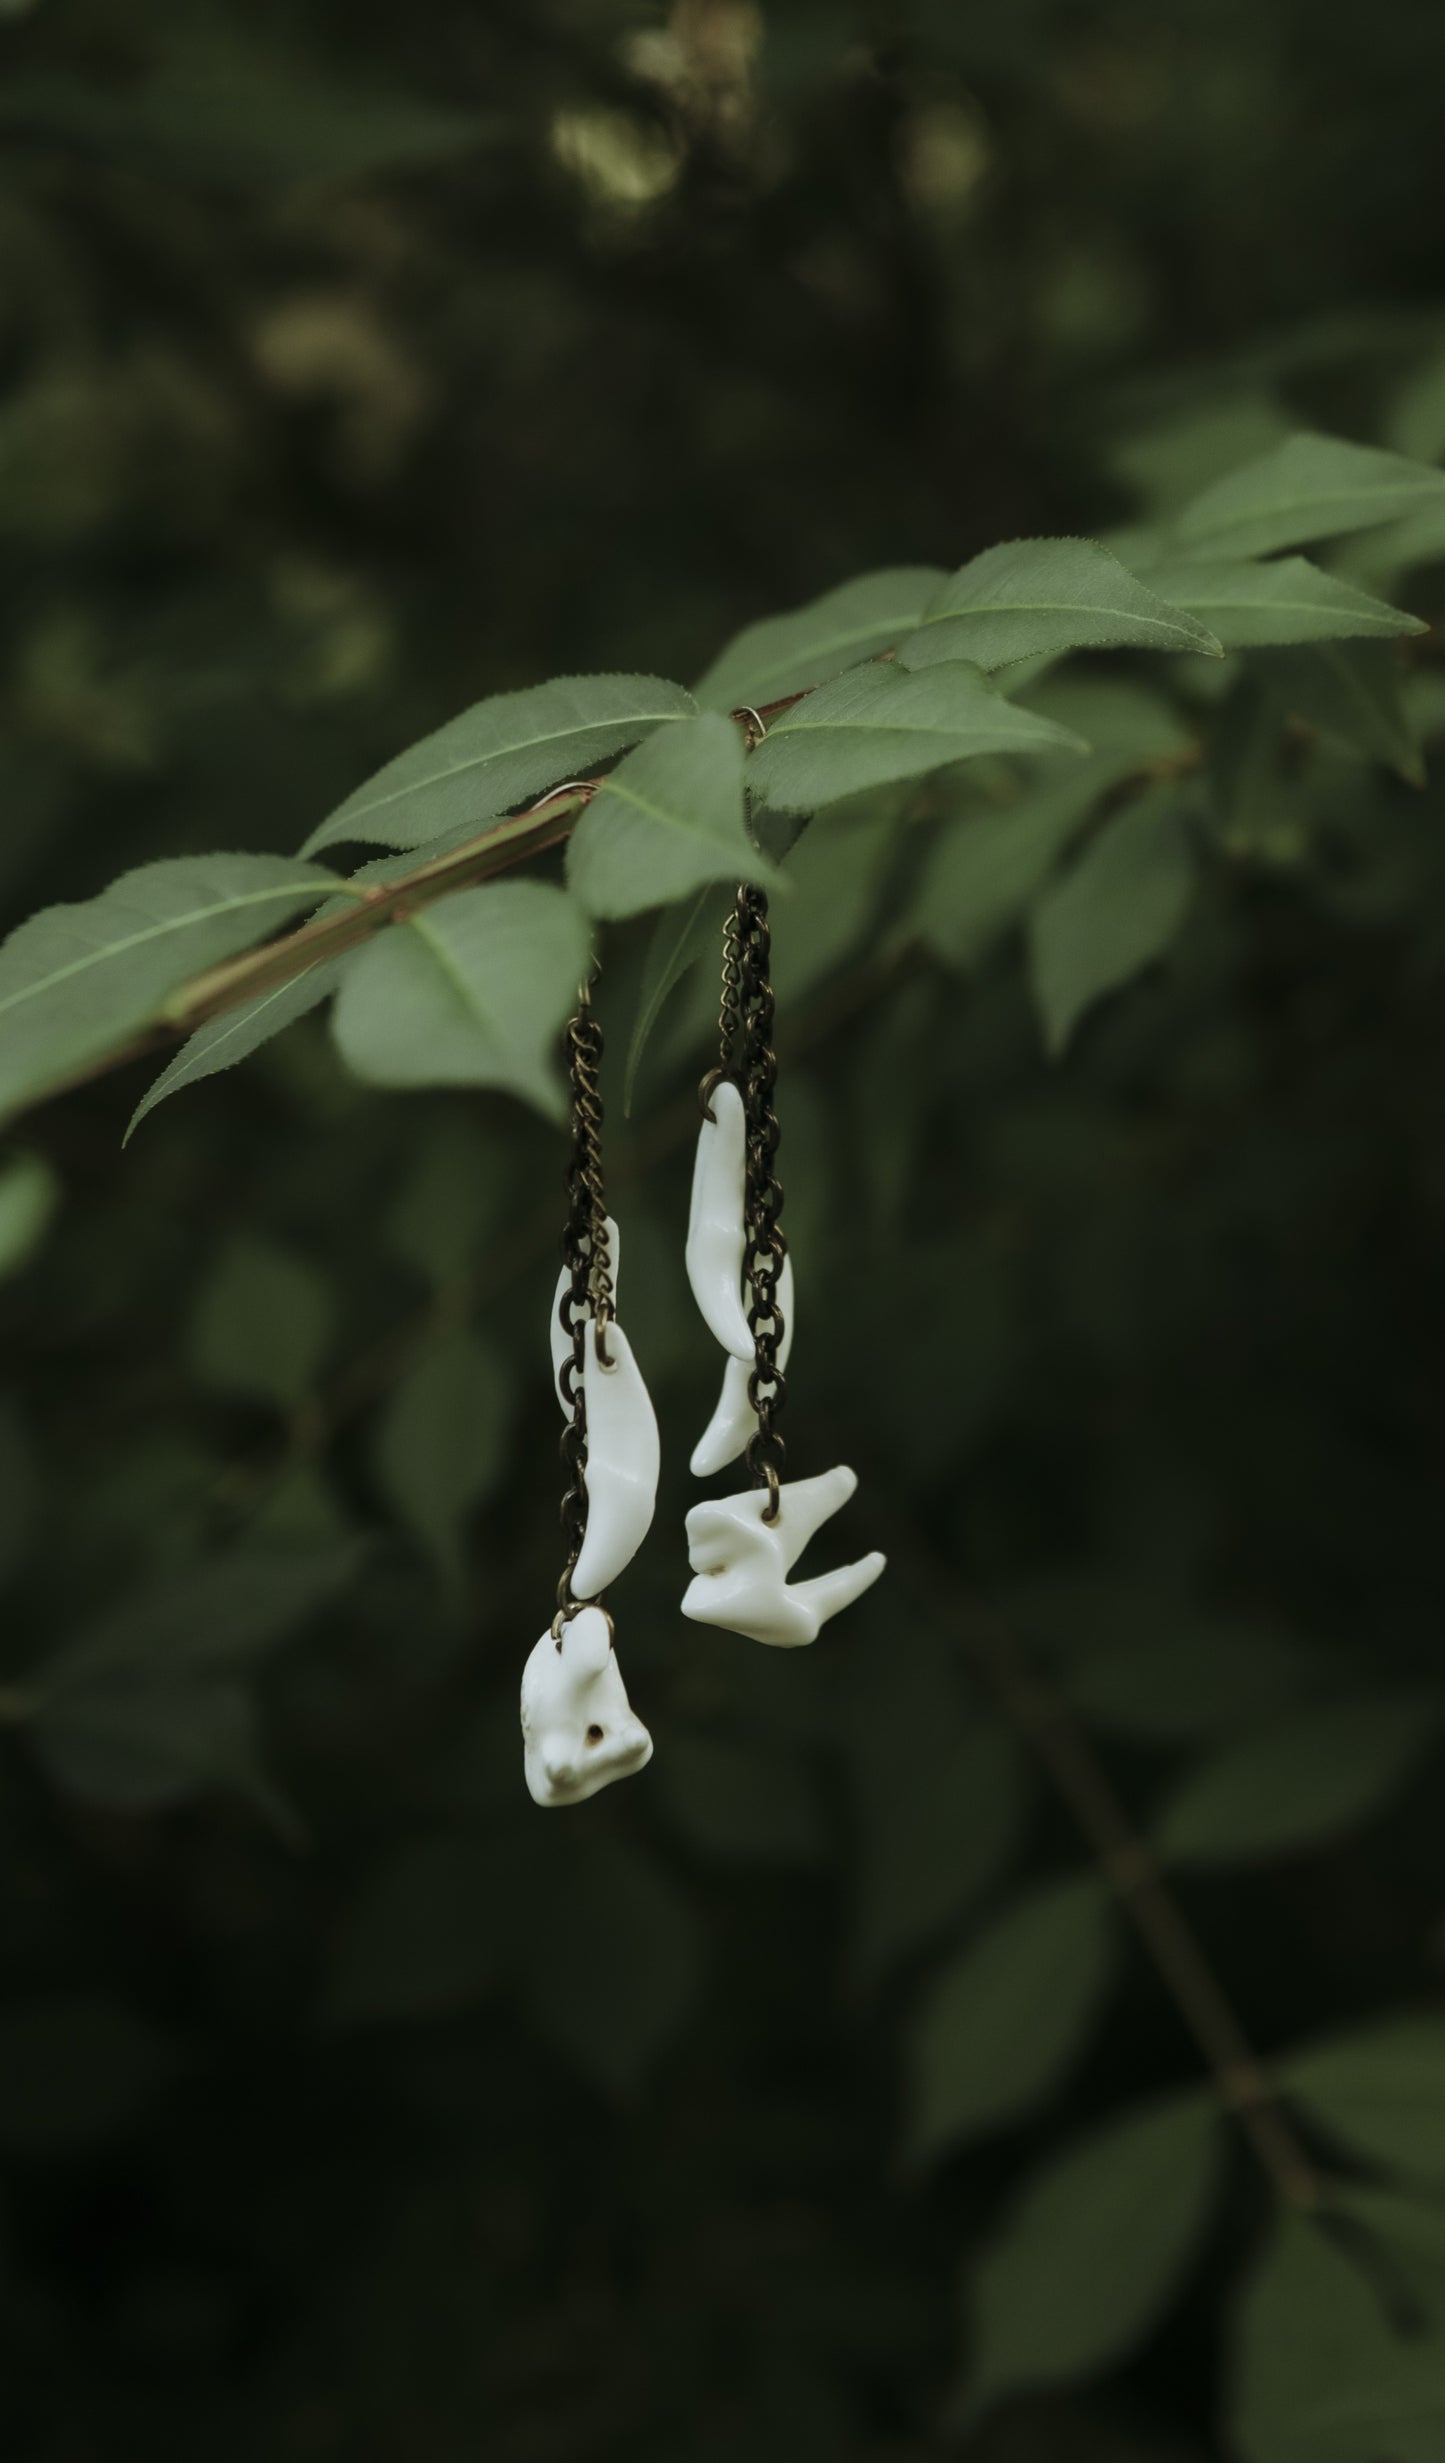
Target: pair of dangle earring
579,1731
742,1549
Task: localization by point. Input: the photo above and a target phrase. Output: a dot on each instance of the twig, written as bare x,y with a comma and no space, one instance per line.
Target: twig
496,849
1042,1717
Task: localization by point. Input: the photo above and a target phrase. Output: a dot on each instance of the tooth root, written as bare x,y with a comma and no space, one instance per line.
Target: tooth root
826,1594
808,1504
716,1231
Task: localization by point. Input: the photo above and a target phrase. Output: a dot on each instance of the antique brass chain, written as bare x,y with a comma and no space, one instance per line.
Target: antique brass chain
767,1248
745,1032
729,1023
588,1289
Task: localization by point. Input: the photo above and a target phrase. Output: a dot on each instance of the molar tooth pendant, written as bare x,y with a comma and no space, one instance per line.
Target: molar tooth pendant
741,1562
716,1232
579,1731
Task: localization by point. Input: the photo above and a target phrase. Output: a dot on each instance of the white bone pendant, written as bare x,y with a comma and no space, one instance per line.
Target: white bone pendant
732,1424
623,1459
715,1230
741,1563
561,1340
579,1731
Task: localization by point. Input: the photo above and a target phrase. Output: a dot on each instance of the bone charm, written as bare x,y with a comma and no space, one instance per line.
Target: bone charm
732,1424
623,1458
716,1233
579,1731
741,1563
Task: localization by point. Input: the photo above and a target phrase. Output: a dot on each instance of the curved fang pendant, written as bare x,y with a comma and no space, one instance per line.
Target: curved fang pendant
715,1231
579,1731
732,1424
561,1343
622,1462
741,1563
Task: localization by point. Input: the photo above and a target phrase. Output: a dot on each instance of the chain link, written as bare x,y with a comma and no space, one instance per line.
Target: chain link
588,1289
729,1022
766,1248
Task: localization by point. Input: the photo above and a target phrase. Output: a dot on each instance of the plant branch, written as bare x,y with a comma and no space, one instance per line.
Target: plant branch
376,905
1042,1718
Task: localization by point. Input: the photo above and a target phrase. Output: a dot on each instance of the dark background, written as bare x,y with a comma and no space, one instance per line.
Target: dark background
357,361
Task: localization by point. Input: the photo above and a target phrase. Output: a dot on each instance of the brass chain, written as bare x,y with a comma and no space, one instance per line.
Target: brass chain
588,1290
729,1021
730,1010
767,1247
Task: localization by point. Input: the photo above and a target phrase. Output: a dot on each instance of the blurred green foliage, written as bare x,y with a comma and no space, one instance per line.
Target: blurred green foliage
836,2090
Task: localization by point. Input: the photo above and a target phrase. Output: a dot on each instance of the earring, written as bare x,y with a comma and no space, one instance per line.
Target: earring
579,1731
742,1548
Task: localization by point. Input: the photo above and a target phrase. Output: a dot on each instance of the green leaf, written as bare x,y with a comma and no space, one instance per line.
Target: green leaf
232,1037
216,1617
1004,2021
441,1444
984,868
839,876
77,982
1416,423
1128,724
1191,1684
1170,460
1093,2249
74,2071
1319,2375
146,1708
942,1819
1035,598
1352,693
261,1324
498,752
1255,606
736,1805
1310,487
144,1740
789,654
1309,1777
1411,2232
877,724
1112,914
29,1196
472,992
1388,554
1381,2091
616,1964
451,1202
428,1932
1257,798
669,819
679,939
